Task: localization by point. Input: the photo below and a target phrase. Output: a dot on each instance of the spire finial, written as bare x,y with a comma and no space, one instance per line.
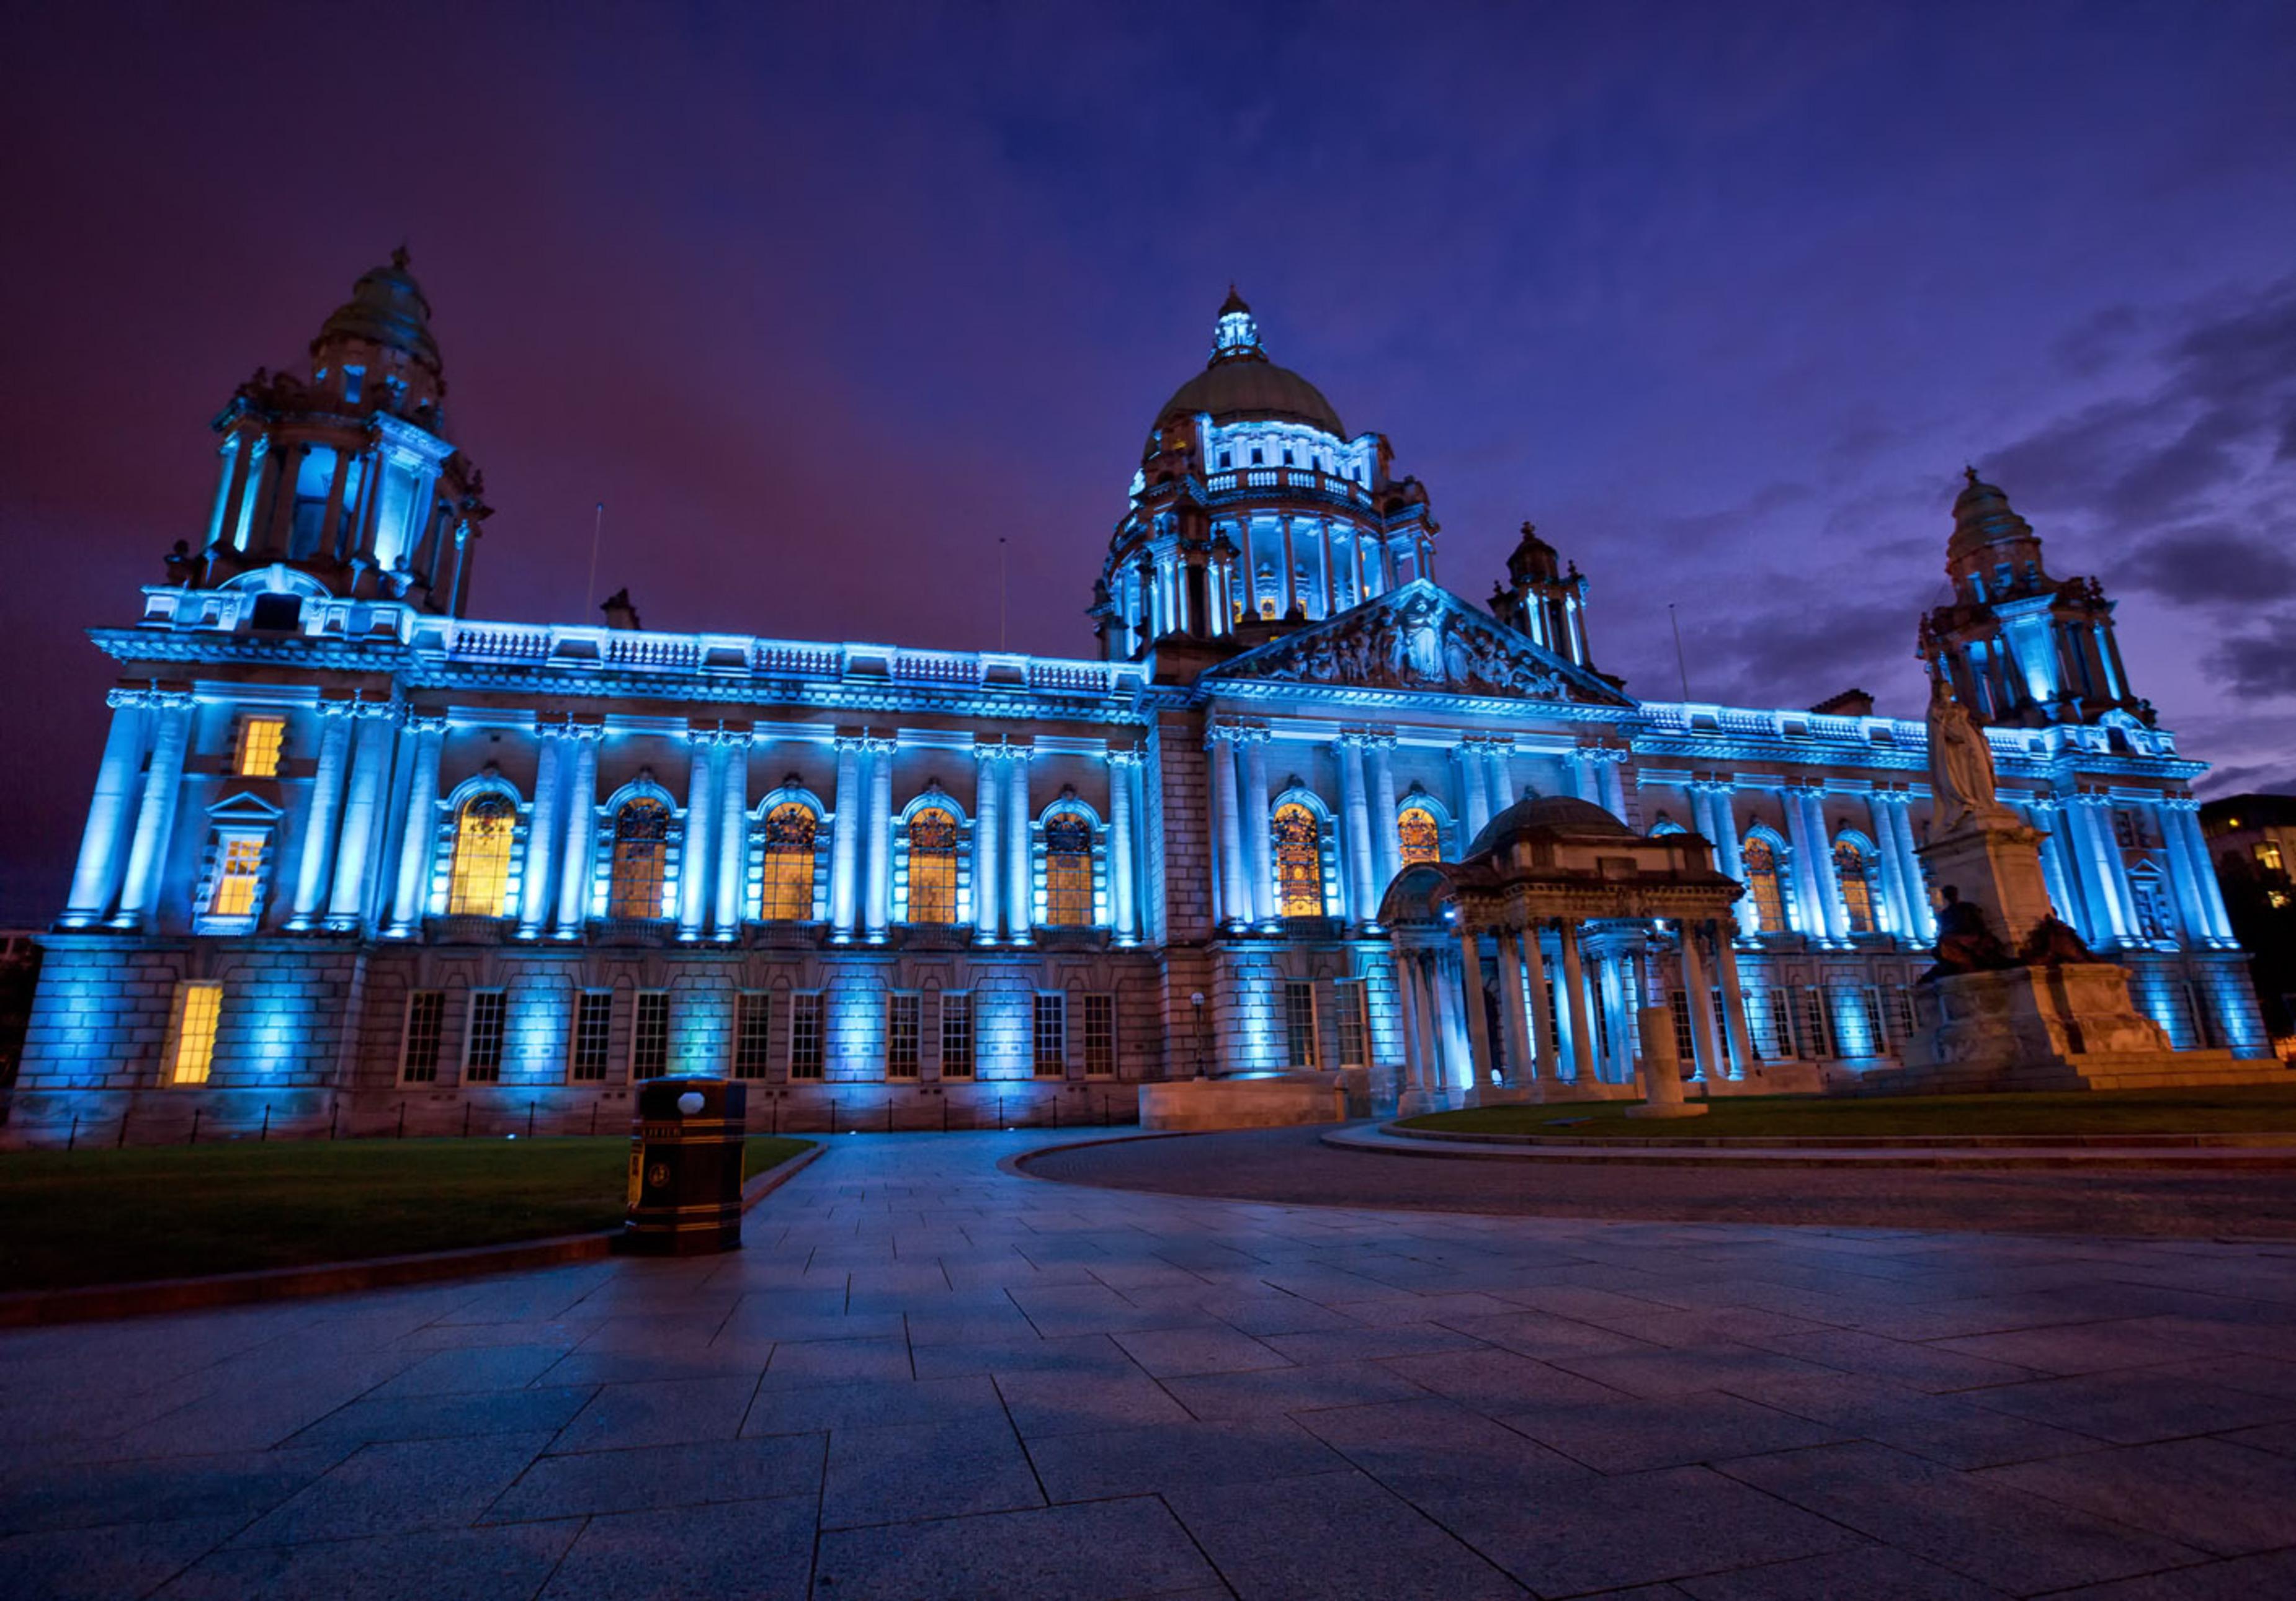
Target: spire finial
1969,473
400,258
1235,336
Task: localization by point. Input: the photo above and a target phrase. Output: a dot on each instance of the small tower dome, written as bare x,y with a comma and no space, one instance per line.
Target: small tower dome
387,309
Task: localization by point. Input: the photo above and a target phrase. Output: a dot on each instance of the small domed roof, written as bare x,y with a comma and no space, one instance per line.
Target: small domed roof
1548,814
387,308
1983,517
1240,382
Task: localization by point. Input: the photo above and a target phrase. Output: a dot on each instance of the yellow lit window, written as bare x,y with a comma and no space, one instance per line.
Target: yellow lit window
933,867
1857,886
480,886
1761,871
1299,862
1419,835
199,1005
262,740
641,851
1068,869
239,872
2268,857
791,830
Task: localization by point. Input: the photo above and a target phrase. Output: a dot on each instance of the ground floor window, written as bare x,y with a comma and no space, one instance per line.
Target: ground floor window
1813,1039
752,1017
198,1009
1100,1035
902,1026
594,1020
955,1036
1773,1026
649,1035
1300,1021
482,1041
1354,1018
418,1051
1049,1049
805,1035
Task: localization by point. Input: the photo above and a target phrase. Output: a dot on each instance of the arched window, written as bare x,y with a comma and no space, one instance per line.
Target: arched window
641,851
1857,875
480,884
932,865
1299,862
1761,863
790,829
1419,835
1068,868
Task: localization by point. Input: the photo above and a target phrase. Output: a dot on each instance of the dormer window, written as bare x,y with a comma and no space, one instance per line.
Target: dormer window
1226,460
1258,457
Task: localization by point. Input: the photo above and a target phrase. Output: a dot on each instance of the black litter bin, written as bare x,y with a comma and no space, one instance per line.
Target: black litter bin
685,1167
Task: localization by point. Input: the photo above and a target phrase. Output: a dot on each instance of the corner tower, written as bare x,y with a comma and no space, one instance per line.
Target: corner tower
1253,510
2020,647
348,475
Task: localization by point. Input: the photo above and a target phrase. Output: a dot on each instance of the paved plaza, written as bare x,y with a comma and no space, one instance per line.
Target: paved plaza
927,1376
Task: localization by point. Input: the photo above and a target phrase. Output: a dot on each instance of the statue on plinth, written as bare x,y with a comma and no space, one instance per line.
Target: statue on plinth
1961,767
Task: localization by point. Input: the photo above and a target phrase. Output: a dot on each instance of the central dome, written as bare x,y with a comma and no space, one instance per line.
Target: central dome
1241,383
1549,814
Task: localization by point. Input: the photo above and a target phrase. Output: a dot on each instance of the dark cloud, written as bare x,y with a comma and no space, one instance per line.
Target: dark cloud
2209,563
2257,665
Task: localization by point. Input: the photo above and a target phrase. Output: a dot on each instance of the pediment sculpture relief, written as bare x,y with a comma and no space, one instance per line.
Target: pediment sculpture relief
1421,643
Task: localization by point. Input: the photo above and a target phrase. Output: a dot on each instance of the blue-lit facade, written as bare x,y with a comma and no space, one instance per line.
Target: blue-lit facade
353,849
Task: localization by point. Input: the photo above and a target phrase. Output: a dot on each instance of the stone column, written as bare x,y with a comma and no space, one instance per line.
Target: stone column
1474,789
155,811
2183,815
318,850
1521,1062
732,846
1406,1001
1698,993
845,842
1575,764
1260,839
1355,818
1574,1002
1733,1006
877,875
1124,909
542,826
1614,784
1386,848
1828,882
1720,825
1019,860
1545,1049
1235,879
96,878
578,852
987,811
701,822
1502,782
1808,887
1471,996
2103,872
363,818
1909,867
418,838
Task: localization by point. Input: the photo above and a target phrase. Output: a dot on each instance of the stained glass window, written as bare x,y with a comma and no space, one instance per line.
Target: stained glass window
480,883
1857,876
790,829
1068,868
932,865
641,851
1420,835
1761,869
1299,862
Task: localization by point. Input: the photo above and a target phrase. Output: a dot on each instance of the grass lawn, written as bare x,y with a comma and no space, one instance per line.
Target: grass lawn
113,1217
2234,1109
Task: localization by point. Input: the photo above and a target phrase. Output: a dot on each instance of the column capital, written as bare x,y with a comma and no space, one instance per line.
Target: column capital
2098,799
876,744
2183,803
1220,734
986,753
1501,745
850,744
1126,756
379,710
576,729
425,722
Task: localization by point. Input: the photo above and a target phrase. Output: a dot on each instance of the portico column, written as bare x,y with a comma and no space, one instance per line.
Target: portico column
418,834
1917,893
845,842
1471,996
2043,814
1829,882
1020,864
1733,1006
701,822
1259,841
1720,825
318,850
542,840
1576,763
155,812
1807,886
1614,784
987,813
1574,1000
1235,885
2106,875
1406,1000
362,834
732,834
98,874
1386,850
2192,914
1521,1066
878,874
1121,765
2185,814
578,852
1474,789
1546,1059
1698,993
1355,817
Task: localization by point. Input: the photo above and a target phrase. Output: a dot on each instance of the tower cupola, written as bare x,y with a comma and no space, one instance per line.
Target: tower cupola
1543,601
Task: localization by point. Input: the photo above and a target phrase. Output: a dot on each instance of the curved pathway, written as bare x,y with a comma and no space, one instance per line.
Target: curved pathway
927,1376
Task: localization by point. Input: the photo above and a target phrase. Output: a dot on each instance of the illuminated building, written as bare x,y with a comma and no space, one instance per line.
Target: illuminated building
352,846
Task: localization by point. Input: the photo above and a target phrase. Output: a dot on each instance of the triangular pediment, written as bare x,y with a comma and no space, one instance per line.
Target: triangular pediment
1424,639
244,807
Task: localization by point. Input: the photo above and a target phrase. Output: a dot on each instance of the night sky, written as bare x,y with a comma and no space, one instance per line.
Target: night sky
822,302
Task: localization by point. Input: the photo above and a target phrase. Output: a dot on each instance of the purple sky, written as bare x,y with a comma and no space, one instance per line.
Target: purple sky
1722,296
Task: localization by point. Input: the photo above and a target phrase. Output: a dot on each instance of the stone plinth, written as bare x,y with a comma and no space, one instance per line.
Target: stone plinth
1279,1101
1661,1068
1997,866
2071,1027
